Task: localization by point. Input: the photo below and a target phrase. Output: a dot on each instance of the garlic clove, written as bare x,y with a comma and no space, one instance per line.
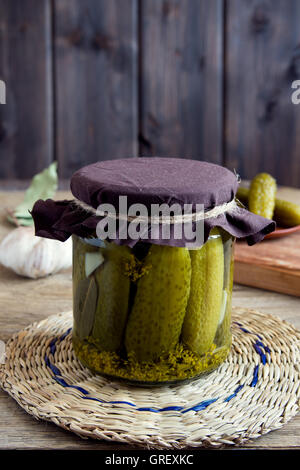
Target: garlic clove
40,261
92,262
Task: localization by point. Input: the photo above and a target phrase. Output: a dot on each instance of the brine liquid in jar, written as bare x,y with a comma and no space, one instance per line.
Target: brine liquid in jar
152,314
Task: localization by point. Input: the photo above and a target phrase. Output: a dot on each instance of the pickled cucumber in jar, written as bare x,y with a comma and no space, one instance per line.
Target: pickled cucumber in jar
206,297
159,307
113,299
85,290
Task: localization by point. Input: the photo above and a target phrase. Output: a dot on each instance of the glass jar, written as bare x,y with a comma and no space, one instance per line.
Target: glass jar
145,310
152,314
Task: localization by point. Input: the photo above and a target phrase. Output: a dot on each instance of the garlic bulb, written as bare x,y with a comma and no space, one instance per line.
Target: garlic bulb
32,256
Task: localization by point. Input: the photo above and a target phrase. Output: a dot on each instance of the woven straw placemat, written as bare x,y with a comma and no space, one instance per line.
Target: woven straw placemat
256,390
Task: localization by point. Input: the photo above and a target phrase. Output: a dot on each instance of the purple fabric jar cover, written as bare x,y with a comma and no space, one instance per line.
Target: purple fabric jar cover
149,180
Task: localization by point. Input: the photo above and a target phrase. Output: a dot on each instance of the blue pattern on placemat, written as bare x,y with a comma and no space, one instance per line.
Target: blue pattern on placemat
255,377
234,394
201,406
53,346
259,347
260,352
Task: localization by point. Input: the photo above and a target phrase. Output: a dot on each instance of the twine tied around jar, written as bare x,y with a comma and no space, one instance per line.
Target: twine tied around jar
227,207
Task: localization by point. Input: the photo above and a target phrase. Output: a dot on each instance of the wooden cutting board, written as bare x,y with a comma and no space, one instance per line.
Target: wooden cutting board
273,264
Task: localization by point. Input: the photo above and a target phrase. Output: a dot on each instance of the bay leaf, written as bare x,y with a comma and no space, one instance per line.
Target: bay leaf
85,300
43,186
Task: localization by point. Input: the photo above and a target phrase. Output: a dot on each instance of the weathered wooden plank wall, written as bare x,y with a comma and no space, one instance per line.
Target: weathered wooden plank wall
26,127
262,57
95,50
98,79
181,78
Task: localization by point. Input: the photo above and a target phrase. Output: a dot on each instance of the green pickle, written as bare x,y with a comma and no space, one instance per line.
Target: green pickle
205,302
84,291
155,322
223,334
262,195
286,213
112,305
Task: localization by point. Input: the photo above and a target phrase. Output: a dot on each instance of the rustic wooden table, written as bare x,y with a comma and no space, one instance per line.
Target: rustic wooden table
23,301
